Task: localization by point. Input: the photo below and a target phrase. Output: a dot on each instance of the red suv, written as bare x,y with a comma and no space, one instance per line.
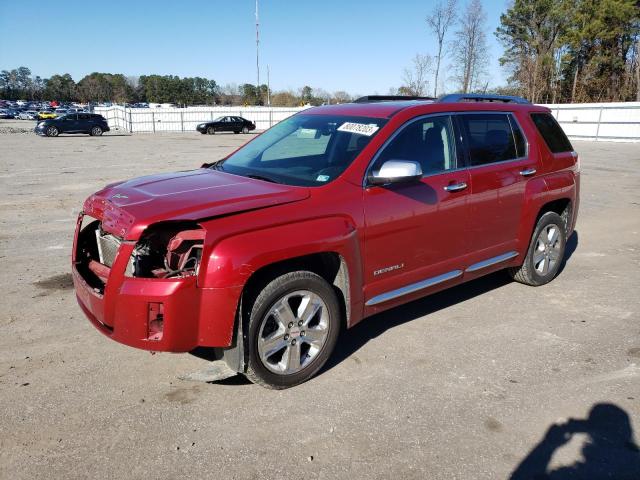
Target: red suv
333,215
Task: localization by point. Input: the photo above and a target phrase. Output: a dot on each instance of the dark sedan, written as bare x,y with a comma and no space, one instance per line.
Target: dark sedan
89,123
227,124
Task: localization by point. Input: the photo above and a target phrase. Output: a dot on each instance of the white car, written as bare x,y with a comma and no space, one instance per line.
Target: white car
28,115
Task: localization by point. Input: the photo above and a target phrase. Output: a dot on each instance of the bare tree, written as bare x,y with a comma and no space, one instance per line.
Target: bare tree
414,78
441,19
471,46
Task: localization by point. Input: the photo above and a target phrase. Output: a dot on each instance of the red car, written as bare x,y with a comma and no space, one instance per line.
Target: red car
333,215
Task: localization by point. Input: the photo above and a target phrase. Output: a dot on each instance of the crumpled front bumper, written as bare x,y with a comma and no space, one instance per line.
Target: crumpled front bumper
125,310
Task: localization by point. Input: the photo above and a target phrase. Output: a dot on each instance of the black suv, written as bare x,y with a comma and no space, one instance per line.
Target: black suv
90,123
227,124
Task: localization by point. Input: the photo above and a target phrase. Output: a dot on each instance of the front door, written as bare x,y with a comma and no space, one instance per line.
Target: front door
415,232
69,123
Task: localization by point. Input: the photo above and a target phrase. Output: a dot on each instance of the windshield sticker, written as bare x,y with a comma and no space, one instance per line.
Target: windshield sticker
359,128
322,178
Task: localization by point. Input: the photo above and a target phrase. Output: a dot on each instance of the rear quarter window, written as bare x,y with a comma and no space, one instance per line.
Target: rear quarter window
551,132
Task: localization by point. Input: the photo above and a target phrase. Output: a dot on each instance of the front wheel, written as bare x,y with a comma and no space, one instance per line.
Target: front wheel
52,132
96,132
293,328
245,129
545,253
211,130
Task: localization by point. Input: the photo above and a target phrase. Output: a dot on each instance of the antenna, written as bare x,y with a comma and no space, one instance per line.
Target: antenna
257,49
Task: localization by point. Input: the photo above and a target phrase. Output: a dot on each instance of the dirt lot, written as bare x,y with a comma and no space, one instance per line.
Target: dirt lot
463,384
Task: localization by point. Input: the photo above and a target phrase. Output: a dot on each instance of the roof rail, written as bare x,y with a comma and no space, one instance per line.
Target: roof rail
389,98
480,97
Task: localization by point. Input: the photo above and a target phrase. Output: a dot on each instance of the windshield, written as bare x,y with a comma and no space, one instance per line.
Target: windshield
219,119
304,150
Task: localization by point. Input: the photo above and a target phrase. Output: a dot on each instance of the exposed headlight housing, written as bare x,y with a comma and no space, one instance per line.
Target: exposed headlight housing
168,250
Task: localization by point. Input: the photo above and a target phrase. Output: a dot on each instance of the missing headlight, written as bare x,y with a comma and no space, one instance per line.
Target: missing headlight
168,250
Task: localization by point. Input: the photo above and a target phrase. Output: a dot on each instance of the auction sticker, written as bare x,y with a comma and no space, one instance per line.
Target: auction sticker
367,129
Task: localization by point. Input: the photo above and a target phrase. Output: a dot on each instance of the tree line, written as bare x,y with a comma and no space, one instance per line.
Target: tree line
555,51
97,87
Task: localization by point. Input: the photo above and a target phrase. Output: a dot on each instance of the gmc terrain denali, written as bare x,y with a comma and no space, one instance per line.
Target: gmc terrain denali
333,215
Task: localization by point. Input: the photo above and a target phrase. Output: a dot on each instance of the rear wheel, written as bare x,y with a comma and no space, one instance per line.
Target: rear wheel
211,130
96,132
293,328
545,253
52,132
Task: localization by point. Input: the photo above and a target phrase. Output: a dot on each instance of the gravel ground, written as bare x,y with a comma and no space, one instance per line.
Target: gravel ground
463,384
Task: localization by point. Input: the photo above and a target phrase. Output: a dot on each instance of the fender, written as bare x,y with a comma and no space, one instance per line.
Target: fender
234,259
540,191
535,196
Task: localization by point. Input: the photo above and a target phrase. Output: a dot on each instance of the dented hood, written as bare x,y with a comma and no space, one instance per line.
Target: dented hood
127,208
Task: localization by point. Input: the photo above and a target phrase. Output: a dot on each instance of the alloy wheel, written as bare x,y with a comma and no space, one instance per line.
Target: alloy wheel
293,332
547,250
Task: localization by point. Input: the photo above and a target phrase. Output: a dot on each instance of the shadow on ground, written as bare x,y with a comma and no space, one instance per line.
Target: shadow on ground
608,452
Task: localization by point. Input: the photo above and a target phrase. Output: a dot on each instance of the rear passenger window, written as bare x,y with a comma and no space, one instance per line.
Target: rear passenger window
428,141
83,116
551,132
490,138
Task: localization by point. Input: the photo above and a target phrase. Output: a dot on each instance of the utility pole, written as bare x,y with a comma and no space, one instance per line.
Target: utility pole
268,88
257,51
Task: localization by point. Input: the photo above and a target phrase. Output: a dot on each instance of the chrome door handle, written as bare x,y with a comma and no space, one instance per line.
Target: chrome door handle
528,172
456,187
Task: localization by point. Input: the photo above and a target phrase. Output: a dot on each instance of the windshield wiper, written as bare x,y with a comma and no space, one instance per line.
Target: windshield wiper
261,177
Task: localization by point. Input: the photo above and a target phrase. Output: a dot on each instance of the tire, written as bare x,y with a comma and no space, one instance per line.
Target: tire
95,132
545,254
211,130
291,354
52,132
236,132
245,129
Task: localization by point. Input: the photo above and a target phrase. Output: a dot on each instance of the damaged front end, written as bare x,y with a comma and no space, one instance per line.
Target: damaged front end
168,250
142,292
165,250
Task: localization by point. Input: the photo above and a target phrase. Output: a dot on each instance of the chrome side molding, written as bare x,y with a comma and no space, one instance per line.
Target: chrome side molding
491,261
414,287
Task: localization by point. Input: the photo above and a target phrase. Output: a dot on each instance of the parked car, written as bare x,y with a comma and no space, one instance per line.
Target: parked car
227,124
334,214
6,114
46,114
90,123
28,115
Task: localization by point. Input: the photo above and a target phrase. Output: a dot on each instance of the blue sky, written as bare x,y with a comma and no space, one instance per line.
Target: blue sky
353,45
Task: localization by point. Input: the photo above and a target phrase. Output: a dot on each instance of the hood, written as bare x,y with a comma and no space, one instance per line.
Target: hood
128,208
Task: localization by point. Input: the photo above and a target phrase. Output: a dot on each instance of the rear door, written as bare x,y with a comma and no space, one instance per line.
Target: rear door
499,166
85,122
415,234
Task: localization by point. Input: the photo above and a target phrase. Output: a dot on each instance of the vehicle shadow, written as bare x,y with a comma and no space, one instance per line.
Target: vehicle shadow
608,452
353,339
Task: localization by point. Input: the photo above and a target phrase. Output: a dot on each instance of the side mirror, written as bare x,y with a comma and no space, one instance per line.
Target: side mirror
396,171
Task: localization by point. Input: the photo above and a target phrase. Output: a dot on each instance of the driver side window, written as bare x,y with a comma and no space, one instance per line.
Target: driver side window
429,141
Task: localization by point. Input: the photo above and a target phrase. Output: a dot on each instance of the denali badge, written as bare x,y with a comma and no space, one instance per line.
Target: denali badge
388,269
119,195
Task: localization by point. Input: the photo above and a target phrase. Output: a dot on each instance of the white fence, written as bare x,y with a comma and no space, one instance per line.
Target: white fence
611,122
583,121
153,120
